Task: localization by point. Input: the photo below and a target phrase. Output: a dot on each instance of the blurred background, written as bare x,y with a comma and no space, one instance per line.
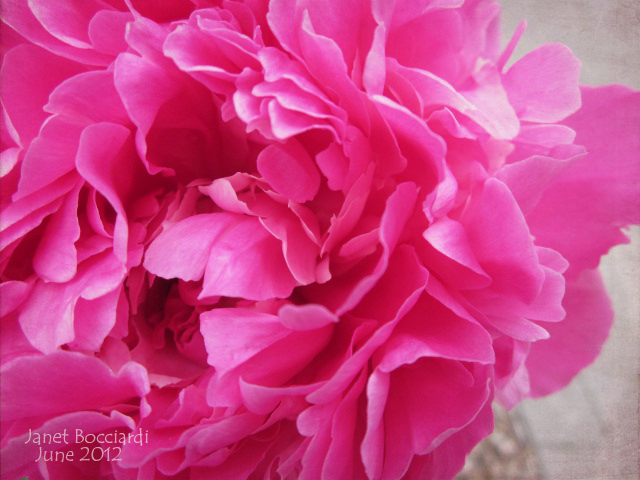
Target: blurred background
590,430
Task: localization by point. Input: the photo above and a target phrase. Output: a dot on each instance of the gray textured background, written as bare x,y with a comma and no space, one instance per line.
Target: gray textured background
590,431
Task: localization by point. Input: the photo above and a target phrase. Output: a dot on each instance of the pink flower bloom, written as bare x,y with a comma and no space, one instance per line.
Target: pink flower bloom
295,239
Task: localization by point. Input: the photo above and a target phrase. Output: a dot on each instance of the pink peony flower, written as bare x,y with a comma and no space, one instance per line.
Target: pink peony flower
294,239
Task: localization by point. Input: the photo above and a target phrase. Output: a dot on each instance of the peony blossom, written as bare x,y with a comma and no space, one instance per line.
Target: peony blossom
293,239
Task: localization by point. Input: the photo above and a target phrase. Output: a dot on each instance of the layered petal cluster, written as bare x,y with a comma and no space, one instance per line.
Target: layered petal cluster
294,238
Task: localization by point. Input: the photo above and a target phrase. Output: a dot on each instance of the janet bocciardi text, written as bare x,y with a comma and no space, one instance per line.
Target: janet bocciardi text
100,446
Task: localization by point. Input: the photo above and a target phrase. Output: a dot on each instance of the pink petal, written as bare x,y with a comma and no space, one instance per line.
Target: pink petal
107,31
93,320
107,160
247,262
386,303
306,317
91,96
576,341
528,179
26,213
233,335
29,74
343,458
47,319
56,379
426,404
580,215
182,250
19,456
456,263
66,20
56,259
500,239
51,155
443,335
494,110
449,458
290,170
19,16
543,85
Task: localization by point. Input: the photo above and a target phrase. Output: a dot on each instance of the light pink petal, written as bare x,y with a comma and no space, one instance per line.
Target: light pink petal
50,156
543,86
447,120
495,113
486,103
264,400
9,158
18,14
333,165
446,37
141,105
326,64
223,192
547,135
13,293
424,151
576,341
342,458
373,76
91,96
287,122
449,458
511,376
247,262
456,263
285,17
290,170
344,293
214,57
143,87
56,258
306,317
500,239
580,215
29,74
546,306
267,355
432,330
26,213
182,250
350,212
372,446
518,328
107,160
13,343
93,320
300,252
234,335
426,404
430,42
290,82
107,31
528,179
67,20
47,318
312,423
56,379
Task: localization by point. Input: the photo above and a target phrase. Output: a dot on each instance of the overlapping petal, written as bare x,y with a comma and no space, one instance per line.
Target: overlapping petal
295,239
